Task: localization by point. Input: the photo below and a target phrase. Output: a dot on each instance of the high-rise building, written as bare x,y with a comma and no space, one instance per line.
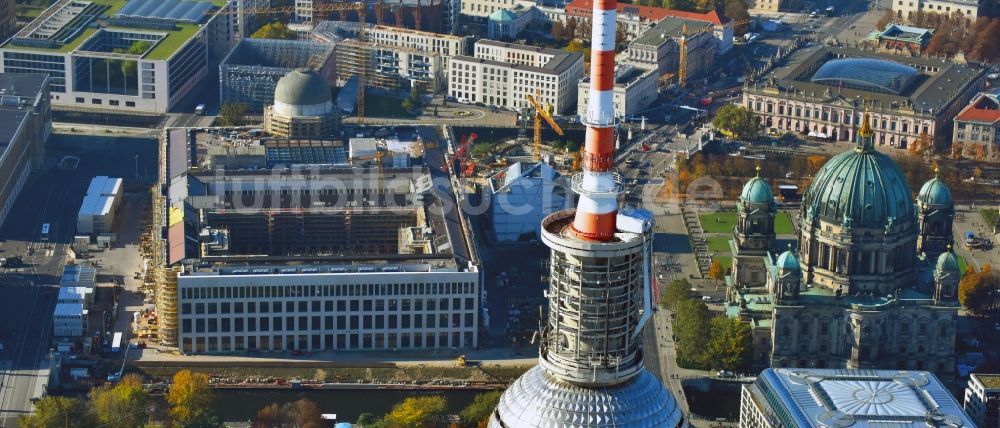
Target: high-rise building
590,371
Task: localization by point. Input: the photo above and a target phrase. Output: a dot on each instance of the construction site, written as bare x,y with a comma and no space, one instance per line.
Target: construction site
327,225
250,72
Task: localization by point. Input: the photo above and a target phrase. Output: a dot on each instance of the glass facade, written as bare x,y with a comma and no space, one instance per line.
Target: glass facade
53,65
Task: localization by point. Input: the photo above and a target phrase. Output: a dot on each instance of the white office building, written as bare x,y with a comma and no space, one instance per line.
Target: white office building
503,74
337,307
635,89
97,212
69,320
121,55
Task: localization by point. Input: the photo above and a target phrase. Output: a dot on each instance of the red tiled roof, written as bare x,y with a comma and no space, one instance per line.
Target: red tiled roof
979,115
583,8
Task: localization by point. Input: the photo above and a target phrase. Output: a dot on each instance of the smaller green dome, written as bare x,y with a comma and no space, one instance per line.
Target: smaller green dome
757,191
788,261
502,15
947,261
935,192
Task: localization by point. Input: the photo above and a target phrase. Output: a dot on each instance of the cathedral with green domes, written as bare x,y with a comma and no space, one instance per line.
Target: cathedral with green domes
870,282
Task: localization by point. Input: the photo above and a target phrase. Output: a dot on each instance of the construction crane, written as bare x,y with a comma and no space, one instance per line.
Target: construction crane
541,112
462,168
359,7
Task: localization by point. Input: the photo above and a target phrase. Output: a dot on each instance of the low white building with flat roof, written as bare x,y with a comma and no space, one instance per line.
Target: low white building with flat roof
81,295
97,212
69,320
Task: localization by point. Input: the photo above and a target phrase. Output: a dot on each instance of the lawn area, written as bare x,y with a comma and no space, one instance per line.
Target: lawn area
989,216
783,224
172,41
725,261
719,244
724,222
718,222
962,266
382,106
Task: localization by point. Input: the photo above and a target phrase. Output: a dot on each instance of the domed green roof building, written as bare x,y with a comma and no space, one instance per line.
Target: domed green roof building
864,288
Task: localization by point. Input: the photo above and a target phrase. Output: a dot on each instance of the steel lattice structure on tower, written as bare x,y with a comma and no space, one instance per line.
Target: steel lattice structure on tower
590,371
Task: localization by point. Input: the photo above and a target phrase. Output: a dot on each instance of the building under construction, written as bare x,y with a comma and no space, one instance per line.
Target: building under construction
438,16
387,65
252,69
328,246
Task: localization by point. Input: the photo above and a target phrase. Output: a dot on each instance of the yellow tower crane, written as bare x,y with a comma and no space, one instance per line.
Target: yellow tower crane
358,7
541,112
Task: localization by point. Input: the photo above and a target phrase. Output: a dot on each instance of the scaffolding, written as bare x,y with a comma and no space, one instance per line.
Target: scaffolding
251,71
352,55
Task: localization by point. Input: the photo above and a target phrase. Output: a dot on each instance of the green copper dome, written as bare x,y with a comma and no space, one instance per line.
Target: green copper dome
947,261
860,188
935,192
787,260
502,15
757,191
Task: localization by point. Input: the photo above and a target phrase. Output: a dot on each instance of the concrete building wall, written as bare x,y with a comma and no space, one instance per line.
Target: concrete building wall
327,311
628,99
507,84
26,148
905,9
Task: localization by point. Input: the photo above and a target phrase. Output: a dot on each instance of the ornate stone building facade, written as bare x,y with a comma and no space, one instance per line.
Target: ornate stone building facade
872,281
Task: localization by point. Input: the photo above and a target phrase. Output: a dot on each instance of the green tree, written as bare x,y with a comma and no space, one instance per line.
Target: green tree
366,419
189,396
479,410
731,345
677,291
572,145
577,45
120,406
741,123
558,30
716,271
232,114
691,331
417,412
274,30
57,412
558,144
407,104
299,414
979,291
922,145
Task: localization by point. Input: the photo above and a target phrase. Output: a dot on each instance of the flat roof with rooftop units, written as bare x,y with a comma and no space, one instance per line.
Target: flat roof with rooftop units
309,239
73,40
